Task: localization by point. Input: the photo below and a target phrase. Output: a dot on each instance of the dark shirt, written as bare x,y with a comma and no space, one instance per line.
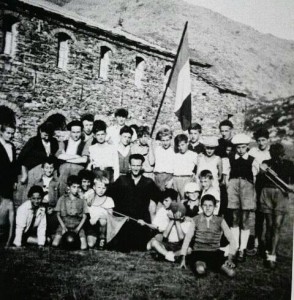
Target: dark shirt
33,153
199,148
222,147
241,168
191,212
133,200
284,169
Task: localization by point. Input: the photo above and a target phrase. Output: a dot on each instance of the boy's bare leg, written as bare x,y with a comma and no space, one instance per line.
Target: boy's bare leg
158,247
102,233
56,240
84,244
91,241
32,240
277,225
235,229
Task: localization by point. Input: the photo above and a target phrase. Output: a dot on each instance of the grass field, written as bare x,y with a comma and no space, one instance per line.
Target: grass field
55,274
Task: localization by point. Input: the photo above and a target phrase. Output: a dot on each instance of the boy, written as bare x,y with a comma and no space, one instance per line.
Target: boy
274,202
31,218
103,156
87,122
169,221
207,188
226,131
72,153
191,202
164,157
185,162
6,222
124,149
194,134
205,233
8,167
71,213
145,148
243,169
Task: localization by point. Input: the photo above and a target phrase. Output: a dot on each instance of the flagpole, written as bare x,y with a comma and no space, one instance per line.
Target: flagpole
169,79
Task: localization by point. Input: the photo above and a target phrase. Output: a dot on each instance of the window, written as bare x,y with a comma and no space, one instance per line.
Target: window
63,51
139,74
104,62
167,71
10,33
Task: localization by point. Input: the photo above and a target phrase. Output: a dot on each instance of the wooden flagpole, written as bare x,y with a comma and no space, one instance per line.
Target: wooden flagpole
169,79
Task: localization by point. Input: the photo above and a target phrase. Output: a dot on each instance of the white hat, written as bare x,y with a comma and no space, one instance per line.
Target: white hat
210,141
241,138
191,187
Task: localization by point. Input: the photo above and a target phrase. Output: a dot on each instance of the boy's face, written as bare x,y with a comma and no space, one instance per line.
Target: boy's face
125,138
193,196
209,151
8,134
100,188
241,149
48,170
144,139
87,127
74,189
167,202
75,133
121,121
205,182
183,147
262,143
136,167
100,136
208,208
44,136
194,135
36,200
166,142
85,184
226,132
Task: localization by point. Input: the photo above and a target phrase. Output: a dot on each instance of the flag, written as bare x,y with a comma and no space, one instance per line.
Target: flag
114,224
180,83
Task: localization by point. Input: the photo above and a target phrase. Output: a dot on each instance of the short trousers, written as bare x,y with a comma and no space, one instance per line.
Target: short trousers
213,259
161,179
92,230
71,223
241,194
179,183
169,246
273,201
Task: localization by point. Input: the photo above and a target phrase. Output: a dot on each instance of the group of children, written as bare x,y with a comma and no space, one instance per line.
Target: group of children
210,188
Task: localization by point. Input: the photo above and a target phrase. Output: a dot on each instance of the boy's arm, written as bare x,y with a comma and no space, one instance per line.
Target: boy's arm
79,227
188,239
41,231
78,160
143,223
11,224
21,217
151,156
229,237
152,209
168,229
179,229
61,222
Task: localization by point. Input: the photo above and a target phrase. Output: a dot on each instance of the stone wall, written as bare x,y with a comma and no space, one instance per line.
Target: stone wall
37,88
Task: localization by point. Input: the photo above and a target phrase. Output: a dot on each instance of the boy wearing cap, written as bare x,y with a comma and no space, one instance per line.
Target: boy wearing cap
169,221
164,157
191,202
194,136
243,169
72,154
205,234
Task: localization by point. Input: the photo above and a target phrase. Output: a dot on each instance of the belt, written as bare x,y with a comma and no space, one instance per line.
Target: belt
244,178
183,175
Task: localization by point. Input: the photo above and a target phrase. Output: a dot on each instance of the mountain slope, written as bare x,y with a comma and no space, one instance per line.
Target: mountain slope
260,65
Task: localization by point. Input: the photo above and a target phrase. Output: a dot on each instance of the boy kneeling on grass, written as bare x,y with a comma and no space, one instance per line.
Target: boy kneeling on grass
170,222
71,213
205,233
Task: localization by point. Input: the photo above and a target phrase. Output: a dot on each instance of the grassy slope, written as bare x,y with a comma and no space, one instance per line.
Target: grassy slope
259,64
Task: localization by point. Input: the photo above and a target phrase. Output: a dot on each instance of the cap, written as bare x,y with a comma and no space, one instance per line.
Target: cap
210,141
191,187
241,138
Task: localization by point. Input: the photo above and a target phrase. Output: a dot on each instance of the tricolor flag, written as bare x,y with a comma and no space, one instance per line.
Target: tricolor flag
180,83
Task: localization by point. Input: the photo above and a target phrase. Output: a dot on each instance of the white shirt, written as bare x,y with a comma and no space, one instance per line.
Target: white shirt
124,151
260,155
164,159
8,148
46,181
98,210
24,218
103,156
72,146
184,164
47,147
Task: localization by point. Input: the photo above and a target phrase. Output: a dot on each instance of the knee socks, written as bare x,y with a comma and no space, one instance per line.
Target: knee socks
236,235
244,238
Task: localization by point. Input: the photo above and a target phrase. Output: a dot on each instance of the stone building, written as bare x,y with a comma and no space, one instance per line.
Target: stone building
57,63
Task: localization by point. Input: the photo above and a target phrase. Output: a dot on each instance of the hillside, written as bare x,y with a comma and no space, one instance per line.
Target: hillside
260,65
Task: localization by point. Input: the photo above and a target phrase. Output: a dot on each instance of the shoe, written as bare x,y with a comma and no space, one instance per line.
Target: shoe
101,244
228,268
200,267
270,261
241,256
252,252
170,256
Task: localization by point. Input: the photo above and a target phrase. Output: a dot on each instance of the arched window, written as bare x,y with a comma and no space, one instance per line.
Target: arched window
167,71
7,115
139,74
63,51
58,120
104,62
10,33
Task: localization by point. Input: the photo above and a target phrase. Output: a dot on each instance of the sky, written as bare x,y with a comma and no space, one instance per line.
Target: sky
267,16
